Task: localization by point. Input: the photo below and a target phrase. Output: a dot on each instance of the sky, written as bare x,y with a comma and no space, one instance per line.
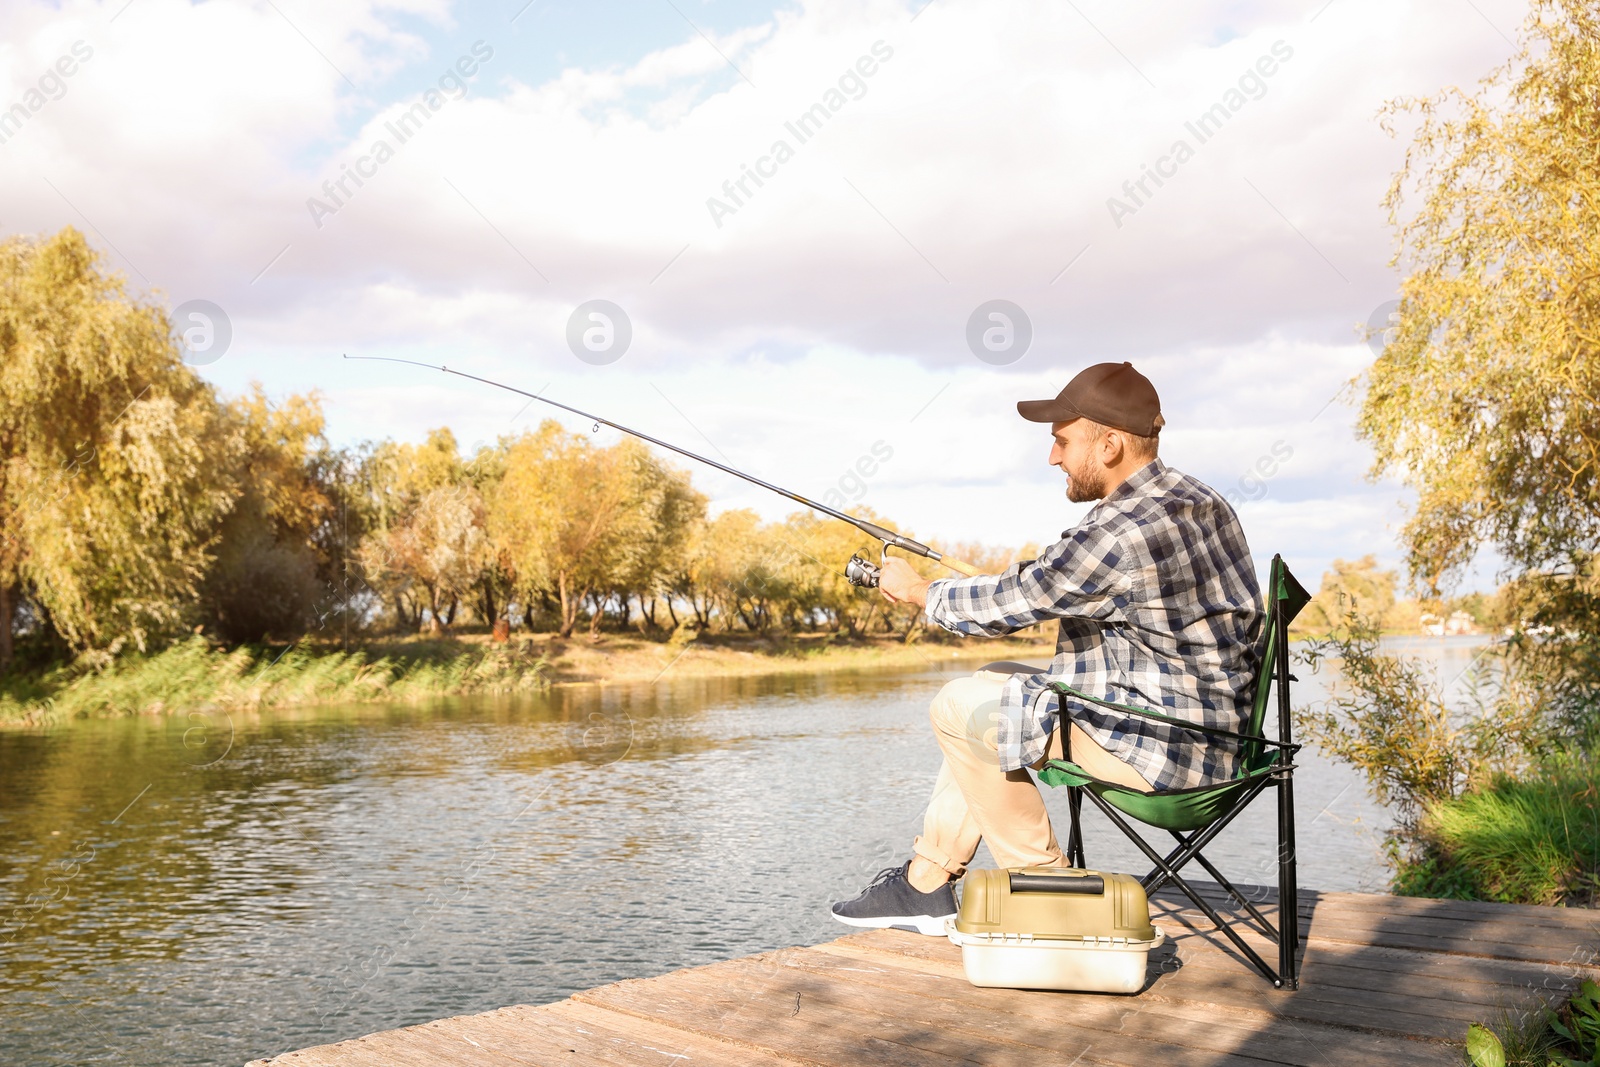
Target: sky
834,241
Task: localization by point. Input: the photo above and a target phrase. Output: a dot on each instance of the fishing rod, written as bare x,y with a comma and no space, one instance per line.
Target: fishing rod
859,570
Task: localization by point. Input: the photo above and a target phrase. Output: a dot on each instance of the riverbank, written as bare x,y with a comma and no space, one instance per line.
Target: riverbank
197,674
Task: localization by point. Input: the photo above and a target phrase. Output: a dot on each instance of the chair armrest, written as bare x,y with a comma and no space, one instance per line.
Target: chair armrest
1063,689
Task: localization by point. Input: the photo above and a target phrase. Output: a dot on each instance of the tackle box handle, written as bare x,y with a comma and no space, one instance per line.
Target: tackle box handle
1086,884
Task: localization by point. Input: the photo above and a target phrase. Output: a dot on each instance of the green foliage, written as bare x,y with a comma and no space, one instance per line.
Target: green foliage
1579,1025
1389,717
1484,1049
1486,402
1564,1037
268,567
1486,399
109,453
1357,586
1534,840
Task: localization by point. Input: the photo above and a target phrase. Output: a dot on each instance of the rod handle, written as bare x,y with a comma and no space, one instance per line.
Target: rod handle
960,567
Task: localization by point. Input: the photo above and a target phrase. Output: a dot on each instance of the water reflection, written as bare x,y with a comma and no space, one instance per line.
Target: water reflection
183,891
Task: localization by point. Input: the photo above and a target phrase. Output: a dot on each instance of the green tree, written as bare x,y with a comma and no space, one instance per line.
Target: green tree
649,544
270,570
1351,587
561,515
1485,400
110,480
412,556
442,546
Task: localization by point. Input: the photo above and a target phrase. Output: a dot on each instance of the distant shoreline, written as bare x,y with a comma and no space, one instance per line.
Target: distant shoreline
196,675
620,659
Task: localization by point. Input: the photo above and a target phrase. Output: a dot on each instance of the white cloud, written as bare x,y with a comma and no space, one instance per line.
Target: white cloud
976,163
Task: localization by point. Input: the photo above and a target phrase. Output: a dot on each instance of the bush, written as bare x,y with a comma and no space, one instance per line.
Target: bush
1388,716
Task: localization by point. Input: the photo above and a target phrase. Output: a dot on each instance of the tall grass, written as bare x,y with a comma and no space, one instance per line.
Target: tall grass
196,674
1534,840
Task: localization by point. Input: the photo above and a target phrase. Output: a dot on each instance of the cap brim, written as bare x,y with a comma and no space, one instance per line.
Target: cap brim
1052,410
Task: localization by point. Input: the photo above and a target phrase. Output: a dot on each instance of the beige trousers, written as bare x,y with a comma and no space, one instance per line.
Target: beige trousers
974,800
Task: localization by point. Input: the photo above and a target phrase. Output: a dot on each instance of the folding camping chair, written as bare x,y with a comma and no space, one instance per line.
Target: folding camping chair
1196,816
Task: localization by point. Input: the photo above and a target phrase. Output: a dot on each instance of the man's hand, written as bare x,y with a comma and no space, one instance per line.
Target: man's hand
900,584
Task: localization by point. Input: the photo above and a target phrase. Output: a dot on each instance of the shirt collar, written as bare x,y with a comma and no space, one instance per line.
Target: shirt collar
1133,486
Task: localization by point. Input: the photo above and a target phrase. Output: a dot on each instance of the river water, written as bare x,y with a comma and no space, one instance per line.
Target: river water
214,888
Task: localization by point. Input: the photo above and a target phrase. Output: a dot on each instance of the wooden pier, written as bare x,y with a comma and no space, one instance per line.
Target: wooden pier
1385,980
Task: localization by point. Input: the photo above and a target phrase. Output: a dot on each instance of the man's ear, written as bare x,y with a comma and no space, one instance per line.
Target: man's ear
1112,448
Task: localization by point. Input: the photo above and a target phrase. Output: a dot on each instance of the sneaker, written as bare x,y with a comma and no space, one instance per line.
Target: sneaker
892,901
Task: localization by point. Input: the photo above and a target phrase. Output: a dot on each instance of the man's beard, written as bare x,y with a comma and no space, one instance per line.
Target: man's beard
1086,483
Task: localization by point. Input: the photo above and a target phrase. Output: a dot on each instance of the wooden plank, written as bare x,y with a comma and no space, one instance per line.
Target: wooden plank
1250,1027
1459,939
1533,923
775,1006
755,1011
1432,979
1555,944
1399,985
562,1033
1202,995
440,1044
1466,910
570,1031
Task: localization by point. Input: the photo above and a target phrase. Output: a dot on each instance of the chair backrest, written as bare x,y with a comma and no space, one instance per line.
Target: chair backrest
1285,599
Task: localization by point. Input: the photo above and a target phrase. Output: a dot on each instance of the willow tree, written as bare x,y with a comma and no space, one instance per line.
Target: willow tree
109,483
1487,399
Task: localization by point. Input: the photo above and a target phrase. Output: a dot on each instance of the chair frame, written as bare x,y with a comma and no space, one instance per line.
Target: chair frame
1279,775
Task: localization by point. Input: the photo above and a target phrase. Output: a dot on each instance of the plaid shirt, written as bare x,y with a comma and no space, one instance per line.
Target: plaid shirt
1159,608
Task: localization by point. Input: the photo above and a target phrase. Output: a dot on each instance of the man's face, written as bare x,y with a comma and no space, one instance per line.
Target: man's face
1075,452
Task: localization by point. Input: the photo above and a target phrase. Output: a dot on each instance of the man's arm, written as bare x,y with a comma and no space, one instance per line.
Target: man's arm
1079,576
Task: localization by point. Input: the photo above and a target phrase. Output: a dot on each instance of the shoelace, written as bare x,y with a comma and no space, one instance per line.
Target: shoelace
885,875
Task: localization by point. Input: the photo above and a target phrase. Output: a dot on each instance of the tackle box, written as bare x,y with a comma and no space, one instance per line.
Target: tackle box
1054,928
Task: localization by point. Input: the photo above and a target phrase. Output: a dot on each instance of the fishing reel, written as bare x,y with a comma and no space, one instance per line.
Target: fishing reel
862,572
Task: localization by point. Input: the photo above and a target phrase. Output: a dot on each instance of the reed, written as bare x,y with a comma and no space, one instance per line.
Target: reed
197,674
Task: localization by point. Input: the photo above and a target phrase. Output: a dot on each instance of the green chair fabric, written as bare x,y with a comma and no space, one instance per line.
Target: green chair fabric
1203,811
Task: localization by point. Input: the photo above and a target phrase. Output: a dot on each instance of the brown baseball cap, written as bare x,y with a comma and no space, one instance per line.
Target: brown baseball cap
1112,394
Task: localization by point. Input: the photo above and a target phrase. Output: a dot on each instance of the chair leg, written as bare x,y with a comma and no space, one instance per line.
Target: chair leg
1075,834
1170,874
1155,879
1267,929
1288,888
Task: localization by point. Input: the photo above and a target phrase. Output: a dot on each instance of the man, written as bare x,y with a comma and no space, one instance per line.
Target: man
1159,608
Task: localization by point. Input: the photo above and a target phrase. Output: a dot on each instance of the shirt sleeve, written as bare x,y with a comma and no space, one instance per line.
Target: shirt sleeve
1081,576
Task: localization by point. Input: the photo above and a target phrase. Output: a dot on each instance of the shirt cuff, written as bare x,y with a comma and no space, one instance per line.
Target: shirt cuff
937,608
